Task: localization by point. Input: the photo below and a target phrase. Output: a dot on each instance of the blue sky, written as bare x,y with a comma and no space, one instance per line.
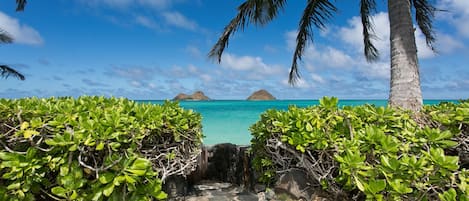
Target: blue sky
155,49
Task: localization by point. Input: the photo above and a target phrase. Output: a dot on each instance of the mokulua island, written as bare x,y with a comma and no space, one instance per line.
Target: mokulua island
197,96
261,95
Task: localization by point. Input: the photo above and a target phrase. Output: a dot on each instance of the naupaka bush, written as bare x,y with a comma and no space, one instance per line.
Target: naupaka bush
93,148
376,153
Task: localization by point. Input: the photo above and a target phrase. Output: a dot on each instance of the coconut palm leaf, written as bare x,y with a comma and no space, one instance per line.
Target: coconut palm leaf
5,37
316,13
367,8
259,12
6,71
20,5
424,15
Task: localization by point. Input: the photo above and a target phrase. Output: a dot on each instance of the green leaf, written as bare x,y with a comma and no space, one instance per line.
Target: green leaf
130,179
50,142
73,148
448,143
97,196
137,172
100,146
64,170
449,195
160,195
60,191
399,186
106,177
13,186
390,163
115,145
309,128
140,164
359,184
375,186
107,191
74,195
29,133
24,126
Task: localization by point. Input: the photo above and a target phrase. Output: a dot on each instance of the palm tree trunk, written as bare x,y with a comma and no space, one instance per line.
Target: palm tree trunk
405,89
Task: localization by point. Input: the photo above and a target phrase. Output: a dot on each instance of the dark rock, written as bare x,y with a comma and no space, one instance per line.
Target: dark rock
261,95
223,163
294,183
259,188
214,191
175,186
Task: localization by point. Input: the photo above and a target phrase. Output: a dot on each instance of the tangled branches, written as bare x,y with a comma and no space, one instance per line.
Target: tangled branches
320,165
107,143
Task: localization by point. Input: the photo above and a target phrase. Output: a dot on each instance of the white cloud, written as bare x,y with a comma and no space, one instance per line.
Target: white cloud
423,51
242,63
447,44
317,78
270,49
158,4
352,34
21,33
300,83
178,20
457,14
321,57
146,22
206,77
122,4
151,85
194,51
133,73
250,68
190,72
135,83
336,58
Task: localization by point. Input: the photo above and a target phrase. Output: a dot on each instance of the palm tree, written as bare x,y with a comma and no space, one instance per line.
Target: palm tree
405,79
5,37
20,5
6,71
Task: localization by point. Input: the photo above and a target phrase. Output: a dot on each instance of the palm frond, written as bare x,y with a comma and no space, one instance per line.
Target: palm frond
20,5
316,14
367,8
5,37
424,15
259,12
6,71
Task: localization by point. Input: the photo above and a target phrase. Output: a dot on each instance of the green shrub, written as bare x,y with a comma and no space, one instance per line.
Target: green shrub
376,153
93,148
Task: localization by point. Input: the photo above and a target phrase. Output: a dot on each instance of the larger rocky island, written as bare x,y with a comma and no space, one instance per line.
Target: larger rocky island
197,96
261,95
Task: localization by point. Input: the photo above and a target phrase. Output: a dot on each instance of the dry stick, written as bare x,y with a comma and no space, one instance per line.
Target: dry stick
50,195
19,116
347,120
10,150
307,164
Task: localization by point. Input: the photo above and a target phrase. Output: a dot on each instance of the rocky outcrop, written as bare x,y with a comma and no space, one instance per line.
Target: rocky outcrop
225,172
197,96
261,95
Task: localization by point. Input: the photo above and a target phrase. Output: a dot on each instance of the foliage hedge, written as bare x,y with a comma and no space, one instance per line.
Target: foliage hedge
368,152
93,148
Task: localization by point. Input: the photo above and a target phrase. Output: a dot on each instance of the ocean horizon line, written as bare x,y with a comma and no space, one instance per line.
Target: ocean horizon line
348,99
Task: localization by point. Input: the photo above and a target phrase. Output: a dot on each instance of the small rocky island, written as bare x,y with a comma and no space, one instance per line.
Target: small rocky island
197,96
261,95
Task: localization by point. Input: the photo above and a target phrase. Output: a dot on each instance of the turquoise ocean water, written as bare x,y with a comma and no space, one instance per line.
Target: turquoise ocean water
229,120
